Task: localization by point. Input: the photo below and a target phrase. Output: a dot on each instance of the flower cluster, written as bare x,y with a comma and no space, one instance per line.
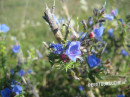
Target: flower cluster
82,51
15,88
112,15
78,49
70,52
21,72
6,92
58,48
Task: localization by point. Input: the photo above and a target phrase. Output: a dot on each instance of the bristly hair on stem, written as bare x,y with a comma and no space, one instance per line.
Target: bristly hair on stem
49,17
67,30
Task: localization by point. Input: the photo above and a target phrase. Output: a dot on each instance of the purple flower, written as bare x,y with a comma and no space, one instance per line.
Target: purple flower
15,49
114,12
93,61
120,96
58,48
73,50
110,32
109,17
4,28
99,31
6,92
124,53
81,88
17,89
21,73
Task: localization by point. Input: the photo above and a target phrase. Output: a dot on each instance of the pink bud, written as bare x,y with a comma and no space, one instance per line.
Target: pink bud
96,70
63,56
91,35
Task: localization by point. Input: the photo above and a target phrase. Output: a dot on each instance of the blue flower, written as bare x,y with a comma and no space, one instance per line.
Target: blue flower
29,71
11,71
4,28
17,89
121,21
81,88
110,32
6,92
58,48
21,73
93,61
120,96
109,17
99,31
73,50
124,53
114,12
91,22
14,83
15,49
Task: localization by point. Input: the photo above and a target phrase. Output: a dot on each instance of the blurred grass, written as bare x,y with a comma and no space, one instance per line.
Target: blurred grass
26,23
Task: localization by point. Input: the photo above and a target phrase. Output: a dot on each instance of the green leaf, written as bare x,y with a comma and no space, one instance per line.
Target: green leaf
98,76
91,77
124,68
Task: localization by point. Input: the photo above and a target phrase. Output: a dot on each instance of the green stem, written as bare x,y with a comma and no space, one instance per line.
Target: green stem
84,83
